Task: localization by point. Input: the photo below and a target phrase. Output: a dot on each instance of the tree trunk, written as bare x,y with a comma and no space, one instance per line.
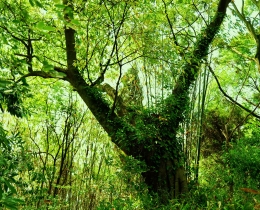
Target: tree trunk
168,180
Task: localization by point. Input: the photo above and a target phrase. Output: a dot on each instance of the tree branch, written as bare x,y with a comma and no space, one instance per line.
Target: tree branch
257,3
15,37
170,24
230,98
43,74
251,30
241,54
201,50
91,95
100,79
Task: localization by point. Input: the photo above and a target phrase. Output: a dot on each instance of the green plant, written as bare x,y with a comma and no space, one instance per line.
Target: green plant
11,163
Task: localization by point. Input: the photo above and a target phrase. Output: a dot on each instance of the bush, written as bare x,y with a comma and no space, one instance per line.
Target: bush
11,161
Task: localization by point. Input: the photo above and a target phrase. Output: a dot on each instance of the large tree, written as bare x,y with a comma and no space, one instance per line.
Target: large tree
88,43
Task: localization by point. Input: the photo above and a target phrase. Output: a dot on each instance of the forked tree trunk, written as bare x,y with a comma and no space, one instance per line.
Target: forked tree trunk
164,174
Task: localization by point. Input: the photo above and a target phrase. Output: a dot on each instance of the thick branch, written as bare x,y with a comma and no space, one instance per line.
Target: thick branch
46,75
180,92
201,49
91,95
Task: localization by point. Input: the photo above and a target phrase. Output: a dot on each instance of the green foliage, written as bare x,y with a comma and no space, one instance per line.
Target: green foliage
244,159
11,95
12,162
221,125
146,48
230,181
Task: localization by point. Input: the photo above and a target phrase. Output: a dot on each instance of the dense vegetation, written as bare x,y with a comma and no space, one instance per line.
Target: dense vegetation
129,104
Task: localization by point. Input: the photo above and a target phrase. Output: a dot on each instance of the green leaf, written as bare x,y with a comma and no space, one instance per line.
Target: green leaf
4,40
38,4
4,83
31,3
47,67
11,203
192,71
11,187
24,81
75,22
60,6
41,25
16,21
2,180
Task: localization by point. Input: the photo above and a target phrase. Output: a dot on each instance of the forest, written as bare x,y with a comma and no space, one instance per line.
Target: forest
129,104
